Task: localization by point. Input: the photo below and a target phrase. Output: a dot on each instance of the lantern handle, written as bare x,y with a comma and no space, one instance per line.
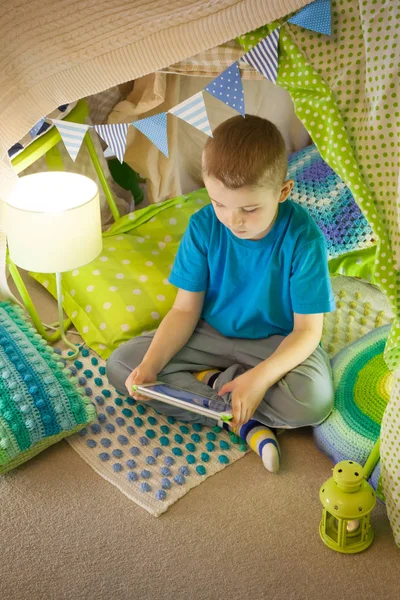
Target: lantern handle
372,460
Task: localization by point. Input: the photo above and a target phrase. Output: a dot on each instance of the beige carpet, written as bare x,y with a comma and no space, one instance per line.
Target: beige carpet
66,533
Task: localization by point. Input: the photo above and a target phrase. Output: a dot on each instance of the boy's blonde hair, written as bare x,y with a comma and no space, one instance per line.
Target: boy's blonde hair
246,152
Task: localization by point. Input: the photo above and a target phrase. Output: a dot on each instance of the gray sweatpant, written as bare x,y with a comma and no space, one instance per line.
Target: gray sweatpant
303,397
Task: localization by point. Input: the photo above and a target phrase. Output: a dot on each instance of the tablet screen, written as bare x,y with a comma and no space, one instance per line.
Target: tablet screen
191,398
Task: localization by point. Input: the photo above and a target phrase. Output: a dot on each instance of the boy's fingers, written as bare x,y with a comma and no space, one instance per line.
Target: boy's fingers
131,387
227,387
236,411
243,416
138,396
129,382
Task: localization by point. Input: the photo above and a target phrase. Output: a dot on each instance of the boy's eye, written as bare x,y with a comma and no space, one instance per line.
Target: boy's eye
250,210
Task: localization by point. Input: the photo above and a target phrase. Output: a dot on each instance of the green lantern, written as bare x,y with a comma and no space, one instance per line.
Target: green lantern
347,500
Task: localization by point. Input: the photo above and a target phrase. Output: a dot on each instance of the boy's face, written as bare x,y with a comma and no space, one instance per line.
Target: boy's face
248,213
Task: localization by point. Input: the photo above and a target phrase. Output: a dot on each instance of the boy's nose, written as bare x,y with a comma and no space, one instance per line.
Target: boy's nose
235,220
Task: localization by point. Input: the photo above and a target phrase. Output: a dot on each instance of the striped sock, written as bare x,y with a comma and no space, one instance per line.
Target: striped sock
259,437
262,440
208,377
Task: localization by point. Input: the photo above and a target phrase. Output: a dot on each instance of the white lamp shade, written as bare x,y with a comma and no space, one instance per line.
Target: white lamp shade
52,222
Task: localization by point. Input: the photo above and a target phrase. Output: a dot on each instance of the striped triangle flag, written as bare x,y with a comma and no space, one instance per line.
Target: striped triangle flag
72,135
264,56
155,128
228,88
315,16
115,137
193,111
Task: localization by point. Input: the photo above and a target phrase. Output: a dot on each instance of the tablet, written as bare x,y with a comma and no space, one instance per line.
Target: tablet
164,392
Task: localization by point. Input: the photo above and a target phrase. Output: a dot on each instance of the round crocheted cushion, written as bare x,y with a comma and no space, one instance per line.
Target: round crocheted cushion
362,389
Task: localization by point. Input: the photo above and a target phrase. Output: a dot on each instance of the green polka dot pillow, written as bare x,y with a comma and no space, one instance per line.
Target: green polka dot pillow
125,290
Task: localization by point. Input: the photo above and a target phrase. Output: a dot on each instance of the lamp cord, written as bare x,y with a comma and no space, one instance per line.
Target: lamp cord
55,327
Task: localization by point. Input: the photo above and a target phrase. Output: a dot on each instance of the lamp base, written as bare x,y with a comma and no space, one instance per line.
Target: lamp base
27,303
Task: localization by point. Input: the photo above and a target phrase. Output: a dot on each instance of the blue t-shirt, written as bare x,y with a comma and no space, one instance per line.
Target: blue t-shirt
253,287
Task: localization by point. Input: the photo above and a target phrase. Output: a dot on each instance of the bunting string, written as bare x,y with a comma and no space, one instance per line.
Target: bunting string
226,87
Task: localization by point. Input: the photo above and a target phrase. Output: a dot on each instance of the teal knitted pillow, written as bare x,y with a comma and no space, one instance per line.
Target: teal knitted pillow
39,401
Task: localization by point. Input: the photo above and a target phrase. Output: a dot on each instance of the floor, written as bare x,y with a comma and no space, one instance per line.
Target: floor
244,534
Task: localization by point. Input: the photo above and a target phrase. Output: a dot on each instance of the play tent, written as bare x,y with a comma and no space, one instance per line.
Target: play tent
344,89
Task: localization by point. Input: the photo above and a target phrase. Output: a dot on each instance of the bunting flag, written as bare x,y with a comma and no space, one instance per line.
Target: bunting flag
108,153
228,88
315,16
264,56
72,135
193,111
115,137
155,128
36,128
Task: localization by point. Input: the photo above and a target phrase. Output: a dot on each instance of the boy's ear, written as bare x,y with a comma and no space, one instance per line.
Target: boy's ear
286,189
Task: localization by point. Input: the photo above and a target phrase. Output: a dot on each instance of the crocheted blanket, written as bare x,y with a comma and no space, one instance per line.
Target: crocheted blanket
39,403
329,202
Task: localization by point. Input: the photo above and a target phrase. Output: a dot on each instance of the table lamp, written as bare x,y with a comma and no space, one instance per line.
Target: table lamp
52,222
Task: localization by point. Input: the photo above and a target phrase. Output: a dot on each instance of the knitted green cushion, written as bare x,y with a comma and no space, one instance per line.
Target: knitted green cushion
362,389
39,401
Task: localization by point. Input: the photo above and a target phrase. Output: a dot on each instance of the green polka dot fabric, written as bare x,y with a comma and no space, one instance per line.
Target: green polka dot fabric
345,90
151,458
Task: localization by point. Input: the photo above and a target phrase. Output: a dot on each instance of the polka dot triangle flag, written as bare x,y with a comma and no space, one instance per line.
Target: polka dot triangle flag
315,16
228,88
115,137
193,111
36,128
72,135
264,56
155,128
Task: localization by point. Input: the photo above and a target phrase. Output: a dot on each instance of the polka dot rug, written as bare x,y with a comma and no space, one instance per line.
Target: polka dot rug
152,459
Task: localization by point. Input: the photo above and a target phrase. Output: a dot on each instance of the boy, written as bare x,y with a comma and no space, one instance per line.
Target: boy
253,284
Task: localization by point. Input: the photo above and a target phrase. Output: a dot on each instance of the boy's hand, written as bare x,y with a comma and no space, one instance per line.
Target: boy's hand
143,373
247,392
